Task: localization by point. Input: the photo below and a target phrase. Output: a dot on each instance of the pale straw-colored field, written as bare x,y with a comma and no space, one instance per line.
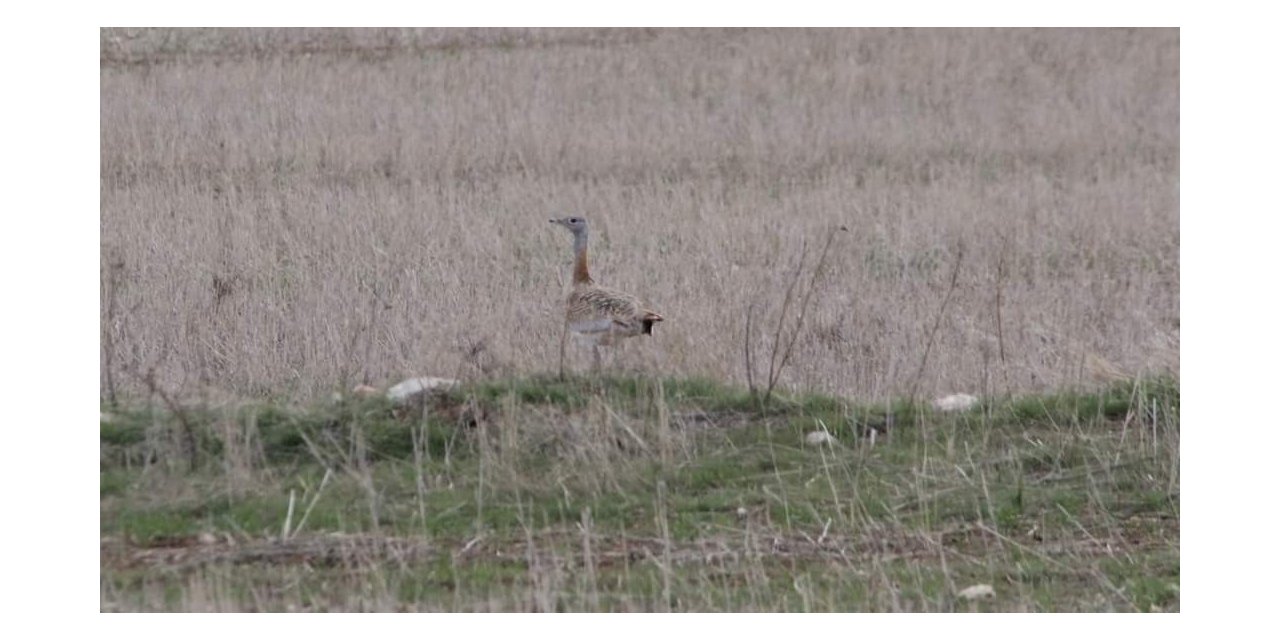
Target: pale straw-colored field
292,212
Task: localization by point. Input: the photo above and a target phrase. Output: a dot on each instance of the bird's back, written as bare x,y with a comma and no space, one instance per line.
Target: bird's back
604,313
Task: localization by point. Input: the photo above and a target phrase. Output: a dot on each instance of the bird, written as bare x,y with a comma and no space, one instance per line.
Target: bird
596,315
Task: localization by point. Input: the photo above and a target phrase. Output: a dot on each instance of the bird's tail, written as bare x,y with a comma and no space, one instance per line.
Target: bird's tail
647,320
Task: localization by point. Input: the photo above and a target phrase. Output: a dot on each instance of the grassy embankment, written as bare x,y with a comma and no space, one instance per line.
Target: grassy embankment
642,494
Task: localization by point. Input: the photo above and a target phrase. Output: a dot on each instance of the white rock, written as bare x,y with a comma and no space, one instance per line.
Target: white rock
977,591
819,438
955,402
414,386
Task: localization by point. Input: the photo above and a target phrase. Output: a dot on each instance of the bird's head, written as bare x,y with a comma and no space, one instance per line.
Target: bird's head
576,224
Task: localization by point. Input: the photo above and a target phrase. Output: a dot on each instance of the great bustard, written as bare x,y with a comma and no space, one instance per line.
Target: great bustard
599,315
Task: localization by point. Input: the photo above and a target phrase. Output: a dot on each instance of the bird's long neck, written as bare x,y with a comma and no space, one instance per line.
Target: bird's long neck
580,273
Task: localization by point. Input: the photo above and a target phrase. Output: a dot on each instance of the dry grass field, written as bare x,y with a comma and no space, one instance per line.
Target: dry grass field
300,211
289,213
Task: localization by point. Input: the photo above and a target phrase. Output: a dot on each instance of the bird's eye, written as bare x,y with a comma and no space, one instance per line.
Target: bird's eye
574,221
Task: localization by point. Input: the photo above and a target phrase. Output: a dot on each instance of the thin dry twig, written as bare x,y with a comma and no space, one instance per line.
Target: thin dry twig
328,473
115,271
784,343
804,310
999,304
746,351
782,315
937,324
153,385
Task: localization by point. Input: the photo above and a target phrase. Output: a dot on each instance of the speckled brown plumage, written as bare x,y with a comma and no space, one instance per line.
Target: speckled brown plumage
607,314
597,314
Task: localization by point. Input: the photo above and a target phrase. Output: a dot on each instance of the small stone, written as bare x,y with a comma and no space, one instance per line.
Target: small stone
977,591
414,386
818,438
955,402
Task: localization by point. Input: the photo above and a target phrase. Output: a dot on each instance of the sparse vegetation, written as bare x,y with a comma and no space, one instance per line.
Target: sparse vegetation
286,213
630,493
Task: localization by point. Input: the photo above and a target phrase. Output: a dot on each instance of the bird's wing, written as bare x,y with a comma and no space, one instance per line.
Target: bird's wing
602,309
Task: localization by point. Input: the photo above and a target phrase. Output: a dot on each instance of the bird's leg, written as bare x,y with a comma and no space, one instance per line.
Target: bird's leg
564,334
595,351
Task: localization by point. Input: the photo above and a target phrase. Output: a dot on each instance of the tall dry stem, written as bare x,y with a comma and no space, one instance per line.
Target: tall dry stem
937,323
784,336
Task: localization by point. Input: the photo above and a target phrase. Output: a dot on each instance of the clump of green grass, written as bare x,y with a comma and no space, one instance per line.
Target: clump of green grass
664,504
1113,403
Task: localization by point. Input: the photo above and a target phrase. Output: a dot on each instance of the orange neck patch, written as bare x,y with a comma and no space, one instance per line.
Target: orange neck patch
580,274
